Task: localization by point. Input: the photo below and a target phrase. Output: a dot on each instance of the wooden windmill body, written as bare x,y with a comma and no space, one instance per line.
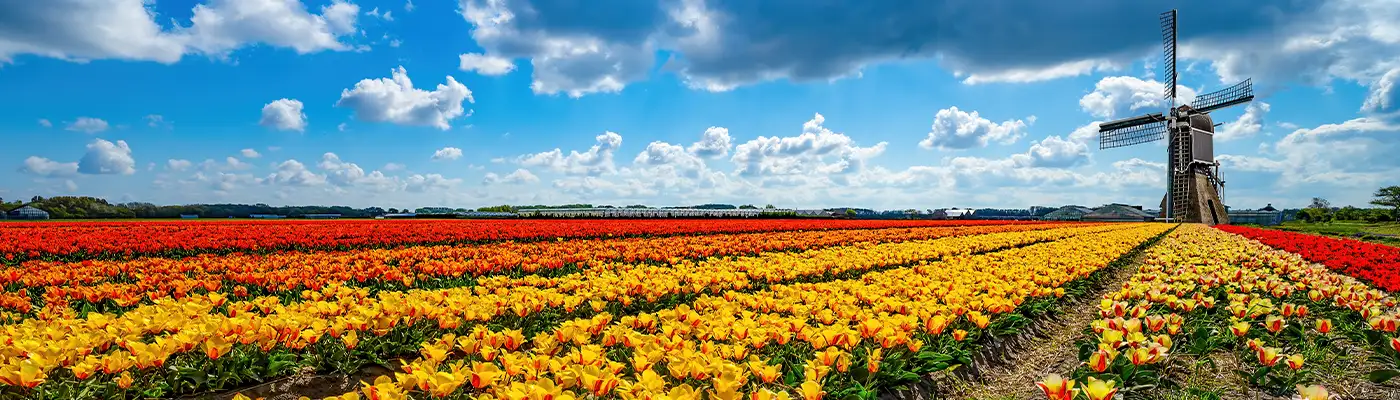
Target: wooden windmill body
1193,175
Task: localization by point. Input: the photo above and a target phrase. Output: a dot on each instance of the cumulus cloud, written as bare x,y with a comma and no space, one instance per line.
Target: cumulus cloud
520,175
81,30
1249,124
86,125
447,153
40,166
178,164
1124,96
714,143
250,153
817,151
957,129
1354,154
45,123
1384,96
395,100
393,167
294,173
284,114
430,182
105,157
485,65
597,160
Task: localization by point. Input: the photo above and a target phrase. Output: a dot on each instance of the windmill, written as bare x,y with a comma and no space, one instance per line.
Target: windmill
1193,175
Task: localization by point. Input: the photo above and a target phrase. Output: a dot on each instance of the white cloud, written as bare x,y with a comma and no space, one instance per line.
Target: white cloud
957,129
1123,96
387,15
1385,95
156,121
70,185
408,6
294,173
395,100
222,26
340,127
1355,154
236,164
105,157
40,166
340,173
284,114
817,153
485,65
597,160
714,143
178,165
520,175
45,123
1248,125
1036,74
430,182
87,125
447,153
393,167
250,153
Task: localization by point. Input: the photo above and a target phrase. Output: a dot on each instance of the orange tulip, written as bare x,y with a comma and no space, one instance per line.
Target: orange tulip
1324,326
1099,360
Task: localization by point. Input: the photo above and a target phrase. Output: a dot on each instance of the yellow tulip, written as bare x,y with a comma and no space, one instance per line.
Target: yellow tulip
1056,387
1099,390
811,390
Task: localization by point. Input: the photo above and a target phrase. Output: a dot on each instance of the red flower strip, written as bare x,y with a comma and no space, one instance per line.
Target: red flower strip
1374,263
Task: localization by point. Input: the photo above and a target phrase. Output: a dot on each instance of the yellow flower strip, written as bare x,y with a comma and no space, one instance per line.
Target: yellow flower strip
83,344
1262,285
129,282
715,345
714,275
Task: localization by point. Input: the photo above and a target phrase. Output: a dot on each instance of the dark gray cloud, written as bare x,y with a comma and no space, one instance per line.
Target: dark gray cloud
724,43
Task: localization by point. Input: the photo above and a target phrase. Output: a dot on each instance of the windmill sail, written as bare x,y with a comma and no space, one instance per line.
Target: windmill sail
1241,92
1169,55
1131,131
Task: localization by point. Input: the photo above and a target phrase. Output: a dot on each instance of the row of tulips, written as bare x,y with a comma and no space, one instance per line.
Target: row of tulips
1203,290
87,240
1375,263
854,337
117,284
340,327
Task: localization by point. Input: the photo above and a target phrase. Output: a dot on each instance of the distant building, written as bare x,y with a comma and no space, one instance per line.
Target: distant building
1068,213
400,215
1118,213
321,216
189,216
27,213
1264,216
267,216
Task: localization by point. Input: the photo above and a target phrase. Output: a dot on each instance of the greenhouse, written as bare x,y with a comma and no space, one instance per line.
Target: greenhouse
27,212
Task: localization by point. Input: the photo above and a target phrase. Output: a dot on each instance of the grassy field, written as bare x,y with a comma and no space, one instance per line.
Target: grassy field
1384,233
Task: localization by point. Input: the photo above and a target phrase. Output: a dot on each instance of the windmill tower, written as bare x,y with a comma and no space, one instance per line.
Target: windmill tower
1193,175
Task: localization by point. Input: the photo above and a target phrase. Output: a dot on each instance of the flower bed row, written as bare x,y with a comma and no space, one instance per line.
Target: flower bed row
88,240
1202,291
340,327
1375,263
844,338
117,284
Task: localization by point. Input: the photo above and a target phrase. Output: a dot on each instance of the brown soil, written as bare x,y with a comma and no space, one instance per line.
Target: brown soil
305,384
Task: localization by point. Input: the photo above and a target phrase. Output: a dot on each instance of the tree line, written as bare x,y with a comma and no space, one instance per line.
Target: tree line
1321,210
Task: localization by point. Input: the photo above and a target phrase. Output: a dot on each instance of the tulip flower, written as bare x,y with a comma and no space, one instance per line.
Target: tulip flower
1395,343
1099,390
1268,356
1099,360
1057,388
811,390
1324,326
1240,328
1295,361
125,380
1313,392
959,335
1273,323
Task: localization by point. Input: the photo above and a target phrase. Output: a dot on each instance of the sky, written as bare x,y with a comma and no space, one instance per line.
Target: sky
797,103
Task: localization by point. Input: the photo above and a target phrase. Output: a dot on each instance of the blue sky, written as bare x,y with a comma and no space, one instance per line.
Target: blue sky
675,102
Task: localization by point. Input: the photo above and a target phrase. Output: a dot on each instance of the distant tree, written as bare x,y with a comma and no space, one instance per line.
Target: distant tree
748,207
393,210
1389,196
850,212
770,207
1349,213
1318,202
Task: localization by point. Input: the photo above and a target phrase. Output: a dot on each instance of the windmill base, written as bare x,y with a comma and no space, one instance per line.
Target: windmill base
1203,205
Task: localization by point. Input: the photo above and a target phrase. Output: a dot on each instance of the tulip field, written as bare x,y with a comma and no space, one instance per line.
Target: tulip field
674,309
